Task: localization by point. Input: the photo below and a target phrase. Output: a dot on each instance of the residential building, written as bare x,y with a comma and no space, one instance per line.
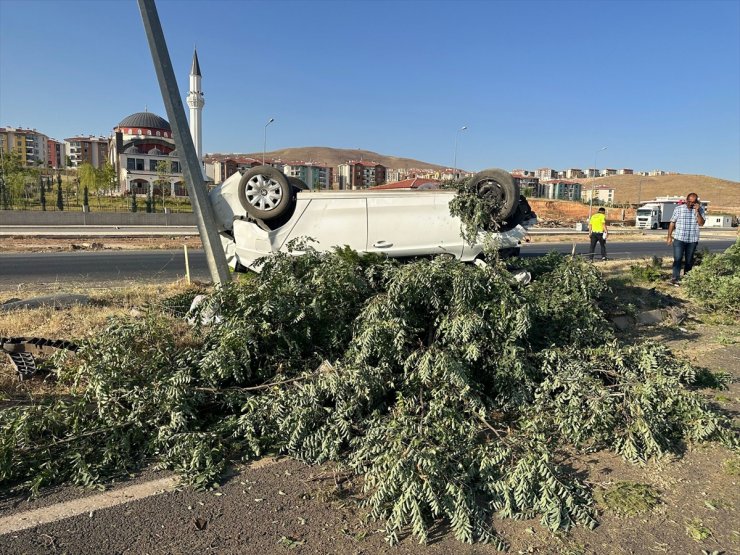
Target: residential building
56,154
544,174
29,143
87,150
140,142
603,194
574,173
610,171
625,171
395,174
559,189
219,170
528,184
593,172
360,175
313,175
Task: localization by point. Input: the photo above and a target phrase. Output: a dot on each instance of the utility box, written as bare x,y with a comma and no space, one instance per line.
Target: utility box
580,226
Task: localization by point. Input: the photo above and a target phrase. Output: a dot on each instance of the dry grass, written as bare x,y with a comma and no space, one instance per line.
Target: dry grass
72,324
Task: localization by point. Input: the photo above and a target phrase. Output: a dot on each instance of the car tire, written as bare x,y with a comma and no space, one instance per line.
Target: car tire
266,193
655,226
498,185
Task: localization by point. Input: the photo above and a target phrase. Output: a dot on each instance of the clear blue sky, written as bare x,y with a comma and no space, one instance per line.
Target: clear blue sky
539,84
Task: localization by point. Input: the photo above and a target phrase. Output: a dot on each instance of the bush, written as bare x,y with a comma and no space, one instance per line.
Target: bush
716,283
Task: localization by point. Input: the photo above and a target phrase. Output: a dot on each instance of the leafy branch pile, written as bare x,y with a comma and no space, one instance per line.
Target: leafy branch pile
477,212
716,282
452,390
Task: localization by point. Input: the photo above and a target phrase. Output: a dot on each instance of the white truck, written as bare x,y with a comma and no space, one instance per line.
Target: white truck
657,213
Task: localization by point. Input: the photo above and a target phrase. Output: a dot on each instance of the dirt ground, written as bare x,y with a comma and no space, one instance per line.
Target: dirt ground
285,506
61,244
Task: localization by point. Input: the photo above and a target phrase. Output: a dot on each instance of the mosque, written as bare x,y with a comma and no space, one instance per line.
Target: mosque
143,151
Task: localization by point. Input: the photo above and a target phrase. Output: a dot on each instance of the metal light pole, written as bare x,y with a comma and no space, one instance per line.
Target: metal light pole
191,165
264,144
593,182
454,163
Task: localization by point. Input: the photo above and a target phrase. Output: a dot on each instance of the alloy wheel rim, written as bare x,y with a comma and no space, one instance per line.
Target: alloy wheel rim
263,192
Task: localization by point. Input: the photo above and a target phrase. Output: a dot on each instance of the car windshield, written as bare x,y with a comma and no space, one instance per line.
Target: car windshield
644,212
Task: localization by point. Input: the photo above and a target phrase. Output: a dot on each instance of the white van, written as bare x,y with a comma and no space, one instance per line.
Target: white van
261,211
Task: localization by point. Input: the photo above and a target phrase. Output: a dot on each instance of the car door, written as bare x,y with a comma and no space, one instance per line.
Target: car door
332,220
412,223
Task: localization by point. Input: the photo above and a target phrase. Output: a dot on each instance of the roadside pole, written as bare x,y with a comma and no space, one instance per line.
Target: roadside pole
191,169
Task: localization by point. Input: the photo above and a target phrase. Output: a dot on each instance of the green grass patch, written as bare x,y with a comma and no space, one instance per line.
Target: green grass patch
630,498
732,466
649,272
696,530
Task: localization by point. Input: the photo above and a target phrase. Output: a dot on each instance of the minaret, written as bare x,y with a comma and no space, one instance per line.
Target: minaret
196,103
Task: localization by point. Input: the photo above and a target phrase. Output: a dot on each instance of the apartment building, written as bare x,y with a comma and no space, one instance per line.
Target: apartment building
29,143
544,174
56,154
313,175
574,173
220,170
87,150
602,194
559,189
528,183
360,175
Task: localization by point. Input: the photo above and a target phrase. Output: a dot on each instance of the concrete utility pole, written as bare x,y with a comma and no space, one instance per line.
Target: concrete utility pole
180,131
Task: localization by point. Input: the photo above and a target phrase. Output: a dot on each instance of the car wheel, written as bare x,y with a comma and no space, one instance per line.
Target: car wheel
654,226
498,186
265,193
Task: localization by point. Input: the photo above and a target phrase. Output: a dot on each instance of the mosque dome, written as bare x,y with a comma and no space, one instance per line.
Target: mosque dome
145,120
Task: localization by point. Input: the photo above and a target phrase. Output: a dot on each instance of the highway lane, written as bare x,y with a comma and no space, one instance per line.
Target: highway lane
155,266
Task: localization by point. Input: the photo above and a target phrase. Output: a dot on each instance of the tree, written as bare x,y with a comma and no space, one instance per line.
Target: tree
162,177
60,199
89,179
42,194
134,208
14,175
149,202
107,174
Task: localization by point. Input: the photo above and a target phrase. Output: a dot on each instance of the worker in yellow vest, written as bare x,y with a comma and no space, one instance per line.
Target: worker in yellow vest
597,232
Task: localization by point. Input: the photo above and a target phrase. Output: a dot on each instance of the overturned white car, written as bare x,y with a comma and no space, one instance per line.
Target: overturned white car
259,212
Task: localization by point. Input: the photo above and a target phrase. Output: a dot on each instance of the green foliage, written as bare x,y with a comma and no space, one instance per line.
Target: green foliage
697,531
716,283
648,272
446,386
60,199
476,211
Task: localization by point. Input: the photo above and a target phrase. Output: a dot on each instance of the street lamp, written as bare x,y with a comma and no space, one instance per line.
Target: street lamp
454,163
593,183
264,144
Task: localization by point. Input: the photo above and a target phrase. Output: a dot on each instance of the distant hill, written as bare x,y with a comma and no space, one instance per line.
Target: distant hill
335,156
634,188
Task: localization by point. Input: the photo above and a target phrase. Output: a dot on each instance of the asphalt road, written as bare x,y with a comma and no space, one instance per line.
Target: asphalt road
165,266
